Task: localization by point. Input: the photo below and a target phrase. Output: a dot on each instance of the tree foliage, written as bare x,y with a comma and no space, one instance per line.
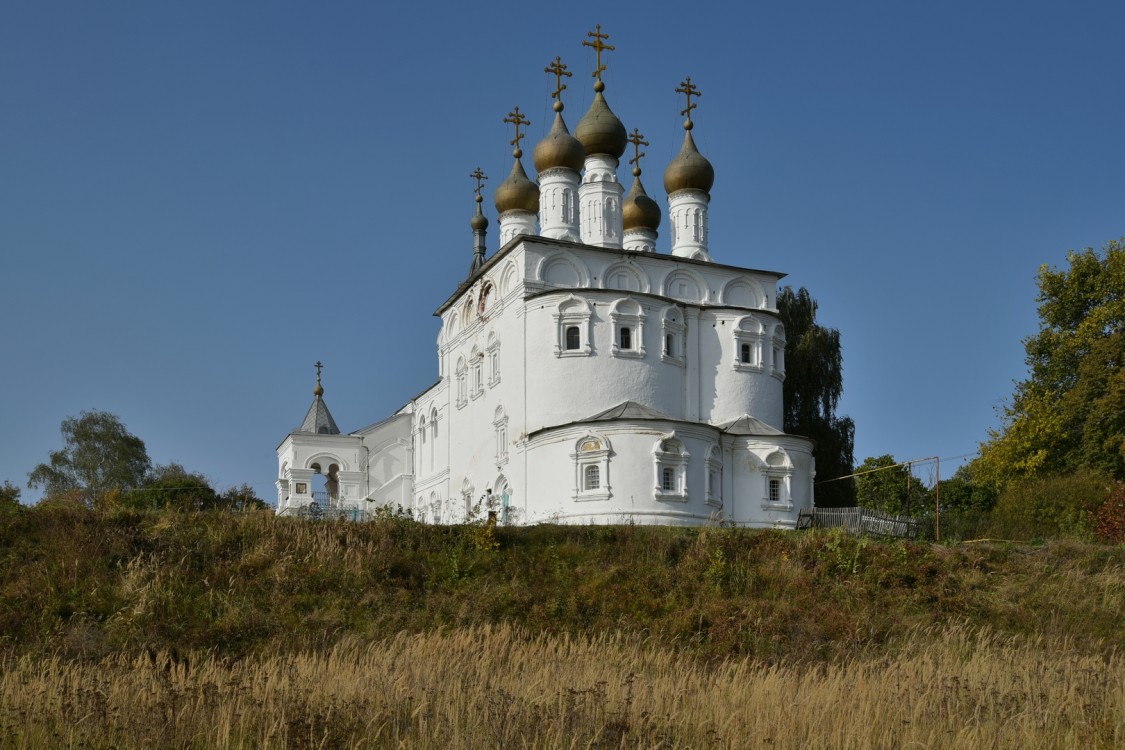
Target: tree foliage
814,382
9,494
98,455
1070,411
885,485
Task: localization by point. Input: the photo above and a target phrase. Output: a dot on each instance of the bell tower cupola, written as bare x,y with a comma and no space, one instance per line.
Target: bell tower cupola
516,198
558,160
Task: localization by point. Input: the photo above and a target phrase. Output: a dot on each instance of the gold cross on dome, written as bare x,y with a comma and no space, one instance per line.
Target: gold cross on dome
559,69
319,367
598,45
637,140
515,117
688,89
480,177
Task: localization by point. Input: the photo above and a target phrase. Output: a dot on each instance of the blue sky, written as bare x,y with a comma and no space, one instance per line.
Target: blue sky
200,200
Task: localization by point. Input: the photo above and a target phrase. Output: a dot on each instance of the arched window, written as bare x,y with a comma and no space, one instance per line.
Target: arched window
778,478
777,363
573,338
500,422
476,376
573,321
462,382
591,468
493,359
714,489
671,461
628,319
673,330
748,335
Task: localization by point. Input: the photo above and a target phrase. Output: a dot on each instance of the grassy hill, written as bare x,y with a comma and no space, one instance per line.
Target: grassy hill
165,604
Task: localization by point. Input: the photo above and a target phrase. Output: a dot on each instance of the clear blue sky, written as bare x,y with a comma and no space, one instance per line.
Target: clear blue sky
199,200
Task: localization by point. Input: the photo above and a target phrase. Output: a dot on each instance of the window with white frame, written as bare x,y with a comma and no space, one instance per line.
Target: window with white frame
500,422
672,349
493,351
777,363
748,334
467,497
591,468
671,461
433,435
476,374
777,481
462,384
572,319
628,320
714,489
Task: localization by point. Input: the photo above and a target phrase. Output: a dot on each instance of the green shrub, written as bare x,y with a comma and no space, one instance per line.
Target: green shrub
1050,506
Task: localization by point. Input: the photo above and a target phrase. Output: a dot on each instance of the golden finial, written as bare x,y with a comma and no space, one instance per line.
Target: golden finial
480,177
319,390
516,118
598,45
688,89
559,69
637,140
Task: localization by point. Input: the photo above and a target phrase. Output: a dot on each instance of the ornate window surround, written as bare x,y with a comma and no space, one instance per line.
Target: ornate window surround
670,453
591,450
627,313
748,331
573,311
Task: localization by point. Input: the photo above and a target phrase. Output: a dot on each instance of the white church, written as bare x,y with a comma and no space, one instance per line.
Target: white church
586,374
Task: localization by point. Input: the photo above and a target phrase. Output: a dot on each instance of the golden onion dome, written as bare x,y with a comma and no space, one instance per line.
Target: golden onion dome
599,130
639,211
517,193
690,170
559,148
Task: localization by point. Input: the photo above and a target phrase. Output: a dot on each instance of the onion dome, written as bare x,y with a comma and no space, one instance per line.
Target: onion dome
559,148
690,170
517,193
599,130
639,211
479,222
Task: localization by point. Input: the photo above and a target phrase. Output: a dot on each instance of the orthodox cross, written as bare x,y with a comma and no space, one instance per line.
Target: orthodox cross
319,367
480,177
598,45
559,69
637,140
516,118
688,89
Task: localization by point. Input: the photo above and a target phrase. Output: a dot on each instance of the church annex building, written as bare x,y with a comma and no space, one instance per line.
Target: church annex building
586,375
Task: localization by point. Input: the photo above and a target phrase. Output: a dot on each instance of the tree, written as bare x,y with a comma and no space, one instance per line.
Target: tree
883,484
814,381
9,494
241,498
173,486
1070,411
98,455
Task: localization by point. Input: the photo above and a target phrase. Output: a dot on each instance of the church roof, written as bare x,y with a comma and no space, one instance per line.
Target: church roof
627,410
748,425
319,420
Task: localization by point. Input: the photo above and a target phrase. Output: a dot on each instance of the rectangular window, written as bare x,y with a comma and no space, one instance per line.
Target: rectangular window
745,354
626,337
775,490
593,478
668,348
667,479
572,338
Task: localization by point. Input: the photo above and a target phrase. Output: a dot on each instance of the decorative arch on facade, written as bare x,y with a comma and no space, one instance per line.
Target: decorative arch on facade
777,480
507,279
325,459
684,285
743,292
476,372
572,321
628,318
562,269
500,424
452,325
670,458
591,457
502,492
625,277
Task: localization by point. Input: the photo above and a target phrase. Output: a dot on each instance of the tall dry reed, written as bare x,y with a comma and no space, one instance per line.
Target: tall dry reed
501,687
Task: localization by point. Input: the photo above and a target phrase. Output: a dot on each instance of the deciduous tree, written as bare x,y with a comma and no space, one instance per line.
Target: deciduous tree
814,382
1070,411
98,455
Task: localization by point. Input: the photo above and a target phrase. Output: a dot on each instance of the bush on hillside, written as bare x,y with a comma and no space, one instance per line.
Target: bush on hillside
1051,506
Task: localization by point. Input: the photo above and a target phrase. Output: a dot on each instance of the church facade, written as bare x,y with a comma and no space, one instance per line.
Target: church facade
585,376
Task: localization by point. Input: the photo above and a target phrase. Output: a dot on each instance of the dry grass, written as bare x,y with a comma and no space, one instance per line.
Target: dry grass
498,686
